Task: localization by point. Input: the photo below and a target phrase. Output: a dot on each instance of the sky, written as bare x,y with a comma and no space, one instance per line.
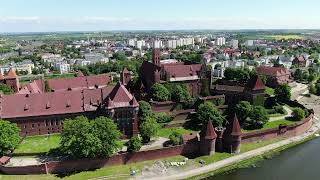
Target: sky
104,15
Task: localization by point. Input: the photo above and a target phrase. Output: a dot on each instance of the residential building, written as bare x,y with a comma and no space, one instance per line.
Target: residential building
220,41
275,75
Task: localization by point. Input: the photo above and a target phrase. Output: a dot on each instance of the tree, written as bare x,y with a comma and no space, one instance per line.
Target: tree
180,93
283,93
257,118
9,136
107,132
298,75
243,110
313,89
6,89
163,117
298,114
176,138
82,138
207,112
148,129
144,110
159,93
134,144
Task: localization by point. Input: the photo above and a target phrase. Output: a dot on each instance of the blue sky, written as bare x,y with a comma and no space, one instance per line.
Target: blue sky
79,15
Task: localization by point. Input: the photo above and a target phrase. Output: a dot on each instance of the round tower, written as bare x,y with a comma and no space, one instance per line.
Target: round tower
207,139
232,136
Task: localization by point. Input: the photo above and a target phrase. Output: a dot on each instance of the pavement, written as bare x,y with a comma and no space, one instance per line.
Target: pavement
289,114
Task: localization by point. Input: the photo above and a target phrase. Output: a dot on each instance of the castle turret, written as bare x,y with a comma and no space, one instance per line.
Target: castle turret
232,136
207,139
156,56
12,80
156,76
125,77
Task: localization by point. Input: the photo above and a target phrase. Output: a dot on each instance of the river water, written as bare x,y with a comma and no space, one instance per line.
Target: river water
298,163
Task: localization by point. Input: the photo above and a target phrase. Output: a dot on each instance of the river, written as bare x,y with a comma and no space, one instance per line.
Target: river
298,163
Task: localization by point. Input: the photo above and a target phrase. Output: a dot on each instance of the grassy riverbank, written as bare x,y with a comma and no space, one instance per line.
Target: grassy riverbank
252,161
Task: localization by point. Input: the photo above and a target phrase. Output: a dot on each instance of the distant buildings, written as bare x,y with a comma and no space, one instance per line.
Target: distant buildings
25,67
220,41
62,67
249,43
301,61
234,44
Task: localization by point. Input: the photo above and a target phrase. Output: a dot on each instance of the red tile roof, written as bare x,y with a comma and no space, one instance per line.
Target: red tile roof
11,74
4,160
121,97
272,71
182,70
233,127
256,83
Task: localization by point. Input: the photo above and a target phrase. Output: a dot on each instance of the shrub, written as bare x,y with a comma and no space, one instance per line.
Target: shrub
134,144
279,109
298,114
163,117
176,138
148,129
257,118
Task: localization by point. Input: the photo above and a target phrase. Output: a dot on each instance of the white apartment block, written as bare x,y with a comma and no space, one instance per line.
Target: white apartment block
221,41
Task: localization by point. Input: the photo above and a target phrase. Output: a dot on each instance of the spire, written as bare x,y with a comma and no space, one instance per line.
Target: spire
233,127
256,83
110,103
11,74
208,131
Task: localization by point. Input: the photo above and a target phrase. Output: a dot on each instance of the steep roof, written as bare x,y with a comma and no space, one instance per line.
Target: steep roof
11,74
208,131
121,97
233,127
255,83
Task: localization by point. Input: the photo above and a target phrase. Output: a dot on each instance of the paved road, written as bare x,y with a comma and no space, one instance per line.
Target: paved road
289,114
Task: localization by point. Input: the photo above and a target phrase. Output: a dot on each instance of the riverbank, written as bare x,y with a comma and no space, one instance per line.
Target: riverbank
251,162
243,156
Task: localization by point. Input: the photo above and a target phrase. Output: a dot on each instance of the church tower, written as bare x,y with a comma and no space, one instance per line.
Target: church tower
156,56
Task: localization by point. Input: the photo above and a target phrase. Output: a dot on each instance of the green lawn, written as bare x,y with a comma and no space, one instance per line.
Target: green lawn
165,132
38,144
269,91
270,125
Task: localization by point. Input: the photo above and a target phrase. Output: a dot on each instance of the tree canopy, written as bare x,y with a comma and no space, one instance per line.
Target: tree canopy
238,74
82,138
9,136
134,144
148,129
207,111
283,93
6,89
257,118
144,110
160,93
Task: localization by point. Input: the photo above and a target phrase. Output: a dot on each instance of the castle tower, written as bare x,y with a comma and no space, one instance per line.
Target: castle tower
125,77
156,78
207,139
12,80
156,56
232,136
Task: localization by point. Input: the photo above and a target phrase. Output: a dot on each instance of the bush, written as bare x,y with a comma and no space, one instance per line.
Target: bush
257,118
298,114
279,109
134,144
176,138
163,117
208,111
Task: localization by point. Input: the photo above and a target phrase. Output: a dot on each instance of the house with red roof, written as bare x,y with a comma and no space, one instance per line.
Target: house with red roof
176,72
252,91
300,61
275,75
44,113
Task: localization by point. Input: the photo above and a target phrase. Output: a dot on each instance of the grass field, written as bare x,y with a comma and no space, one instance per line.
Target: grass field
165,132
38,144
270,125
286,37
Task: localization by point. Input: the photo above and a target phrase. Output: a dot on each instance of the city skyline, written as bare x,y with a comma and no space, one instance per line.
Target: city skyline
98,15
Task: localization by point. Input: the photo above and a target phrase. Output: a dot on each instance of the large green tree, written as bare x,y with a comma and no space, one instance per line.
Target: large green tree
180,93
9,136
207,111
257,118
148,129
160,93
283,93
82,138
243,110
6,89
144,110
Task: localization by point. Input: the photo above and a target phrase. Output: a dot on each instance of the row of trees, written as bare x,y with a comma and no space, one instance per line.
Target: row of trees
239,74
